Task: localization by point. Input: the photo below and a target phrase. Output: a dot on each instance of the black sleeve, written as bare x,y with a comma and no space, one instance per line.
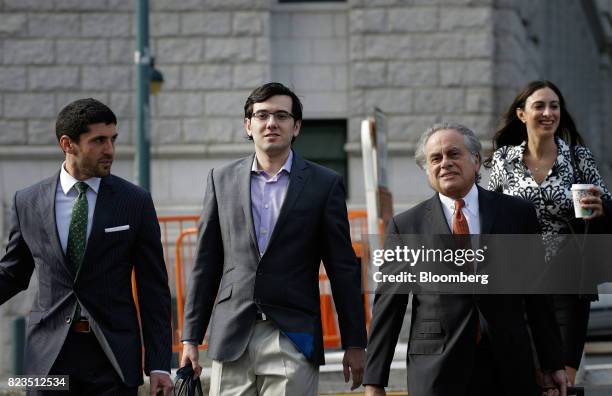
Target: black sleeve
387,318
153,291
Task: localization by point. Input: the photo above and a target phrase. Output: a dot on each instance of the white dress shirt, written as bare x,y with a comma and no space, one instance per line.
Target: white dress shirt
470,209
65,195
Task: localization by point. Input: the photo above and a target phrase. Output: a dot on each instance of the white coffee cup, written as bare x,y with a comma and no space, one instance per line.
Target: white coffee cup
580,191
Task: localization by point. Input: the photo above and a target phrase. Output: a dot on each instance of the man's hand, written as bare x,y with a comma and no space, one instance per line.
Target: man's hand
558,380
571,375
190,355
160,382
353,362
373,390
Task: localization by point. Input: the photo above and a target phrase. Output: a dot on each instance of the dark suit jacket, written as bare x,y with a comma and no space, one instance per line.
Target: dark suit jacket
442,343
103,283
283,282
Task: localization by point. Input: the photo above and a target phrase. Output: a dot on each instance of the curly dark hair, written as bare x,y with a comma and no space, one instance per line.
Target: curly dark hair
75,119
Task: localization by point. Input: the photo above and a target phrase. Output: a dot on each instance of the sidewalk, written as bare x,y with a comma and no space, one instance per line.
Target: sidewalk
331,382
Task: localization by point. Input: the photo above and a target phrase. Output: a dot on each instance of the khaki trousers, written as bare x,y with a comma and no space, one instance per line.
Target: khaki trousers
270,366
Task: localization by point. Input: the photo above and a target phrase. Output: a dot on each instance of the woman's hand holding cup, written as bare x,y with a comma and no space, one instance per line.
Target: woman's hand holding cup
587,201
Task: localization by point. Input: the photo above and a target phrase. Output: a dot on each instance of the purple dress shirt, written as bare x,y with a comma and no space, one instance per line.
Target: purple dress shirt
267,197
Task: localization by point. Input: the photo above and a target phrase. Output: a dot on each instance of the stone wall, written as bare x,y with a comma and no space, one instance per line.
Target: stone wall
421,61
54,52
212,53
555,41
309,48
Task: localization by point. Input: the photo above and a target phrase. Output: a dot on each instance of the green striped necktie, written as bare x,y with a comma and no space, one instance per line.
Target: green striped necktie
77,233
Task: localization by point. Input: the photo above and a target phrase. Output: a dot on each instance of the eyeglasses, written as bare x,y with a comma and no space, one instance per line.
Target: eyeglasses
265,115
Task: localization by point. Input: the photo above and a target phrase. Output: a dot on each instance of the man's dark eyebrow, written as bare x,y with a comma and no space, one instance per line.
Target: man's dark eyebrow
104,136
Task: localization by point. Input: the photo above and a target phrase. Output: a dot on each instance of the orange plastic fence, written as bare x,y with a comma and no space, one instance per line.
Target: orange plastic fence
185,246
179,234
172,227
358,222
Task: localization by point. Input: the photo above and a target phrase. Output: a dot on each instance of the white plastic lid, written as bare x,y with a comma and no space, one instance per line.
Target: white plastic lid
582,186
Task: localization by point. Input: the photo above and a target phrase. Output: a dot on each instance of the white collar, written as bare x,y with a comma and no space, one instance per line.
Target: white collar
470,200
67,181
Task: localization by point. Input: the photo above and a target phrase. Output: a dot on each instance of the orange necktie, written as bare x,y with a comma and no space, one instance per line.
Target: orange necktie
460,227
460,224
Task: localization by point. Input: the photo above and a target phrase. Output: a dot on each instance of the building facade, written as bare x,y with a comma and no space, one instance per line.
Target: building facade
420,61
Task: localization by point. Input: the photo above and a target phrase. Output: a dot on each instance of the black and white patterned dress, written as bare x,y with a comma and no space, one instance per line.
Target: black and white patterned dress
553,198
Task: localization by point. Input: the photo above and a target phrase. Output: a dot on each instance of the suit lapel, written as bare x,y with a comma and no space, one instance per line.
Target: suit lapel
48,214
437,220
244,186
297,180
105,205
488,210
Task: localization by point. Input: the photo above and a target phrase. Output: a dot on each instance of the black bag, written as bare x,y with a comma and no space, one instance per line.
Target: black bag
571,390
575,390
185,384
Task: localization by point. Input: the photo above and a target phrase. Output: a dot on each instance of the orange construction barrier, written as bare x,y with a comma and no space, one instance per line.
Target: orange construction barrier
329,323
172,227
358,223
185,246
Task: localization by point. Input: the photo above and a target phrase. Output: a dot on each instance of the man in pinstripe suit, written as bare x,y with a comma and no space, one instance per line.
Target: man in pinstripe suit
84,231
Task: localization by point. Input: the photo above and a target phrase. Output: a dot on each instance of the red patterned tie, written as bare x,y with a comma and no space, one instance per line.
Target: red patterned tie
460,224
460,227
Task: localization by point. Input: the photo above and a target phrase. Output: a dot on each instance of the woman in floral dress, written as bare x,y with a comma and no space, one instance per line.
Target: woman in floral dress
538,155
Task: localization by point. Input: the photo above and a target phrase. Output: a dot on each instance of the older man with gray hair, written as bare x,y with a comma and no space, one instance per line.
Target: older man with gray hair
464,345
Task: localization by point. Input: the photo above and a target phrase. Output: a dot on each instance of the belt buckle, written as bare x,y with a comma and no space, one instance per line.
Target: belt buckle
82,326
261,316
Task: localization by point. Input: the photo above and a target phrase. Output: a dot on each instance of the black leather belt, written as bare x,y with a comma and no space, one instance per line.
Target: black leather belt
80,326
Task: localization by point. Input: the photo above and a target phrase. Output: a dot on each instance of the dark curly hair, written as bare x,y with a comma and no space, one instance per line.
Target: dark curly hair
75,119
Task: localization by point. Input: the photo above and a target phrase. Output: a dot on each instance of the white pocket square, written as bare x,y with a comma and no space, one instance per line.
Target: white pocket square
119,228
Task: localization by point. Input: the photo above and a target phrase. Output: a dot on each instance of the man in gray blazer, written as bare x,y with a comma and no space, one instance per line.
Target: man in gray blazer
84,231
267,223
